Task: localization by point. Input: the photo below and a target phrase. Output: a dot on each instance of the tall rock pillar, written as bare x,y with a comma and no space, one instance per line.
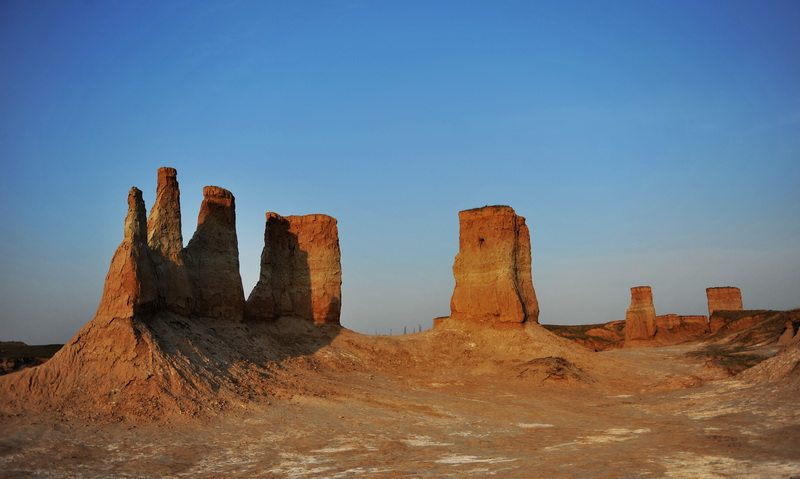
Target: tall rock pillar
493,268
301,273
165,239
640,318
212,258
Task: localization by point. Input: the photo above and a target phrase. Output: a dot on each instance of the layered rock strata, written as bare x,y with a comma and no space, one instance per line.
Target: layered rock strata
212,258
640,318
726,298
301,273
493,268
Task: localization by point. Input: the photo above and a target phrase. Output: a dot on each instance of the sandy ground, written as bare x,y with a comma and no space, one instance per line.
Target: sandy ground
661,418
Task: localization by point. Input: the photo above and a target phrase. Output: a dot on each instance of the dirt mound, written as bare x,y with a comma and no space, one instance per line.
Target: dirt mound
149,368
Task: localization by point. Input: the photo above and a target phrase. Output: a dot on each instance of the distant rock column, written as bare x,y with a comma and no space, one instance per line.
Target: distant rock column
493,268
726,298
640,318
212,258
301,273
130,286
165,238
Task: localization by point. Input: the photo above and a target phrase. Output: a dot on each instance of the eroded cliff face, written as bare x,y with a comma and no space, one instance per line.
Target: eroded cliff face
493,268
726,298
301,272
640,318
212,258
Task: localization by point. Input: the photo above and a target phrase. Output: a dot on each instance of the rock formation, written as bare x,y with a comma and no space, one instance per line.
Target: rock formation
212,258
493,268
640,318
165,239
725,298
301,273
130,285
674,329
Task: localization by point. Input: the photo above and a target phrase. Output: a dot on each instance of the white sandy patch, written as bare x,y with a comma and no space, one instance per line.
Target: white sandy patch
464,459
609,435
331,450
532,425
716,467
423,441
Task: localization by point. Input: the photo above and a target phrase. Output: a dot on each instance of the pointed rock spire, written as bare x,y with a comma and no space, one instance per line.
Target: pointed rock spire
301,273
164,223
130,285
165,240
212,258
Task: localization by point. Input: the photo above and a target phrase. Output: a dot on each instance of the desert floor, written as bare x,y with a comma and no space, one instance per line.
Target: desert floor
662,417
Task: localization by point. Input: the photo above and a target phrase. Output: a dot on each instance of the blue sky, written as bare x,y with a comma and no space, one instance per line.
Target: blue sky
646,142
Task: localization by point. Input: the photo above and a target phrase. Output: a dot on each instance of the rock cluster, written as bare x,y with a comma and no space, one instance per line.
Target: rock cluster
301,273
152,271
726,298
640,318
493,268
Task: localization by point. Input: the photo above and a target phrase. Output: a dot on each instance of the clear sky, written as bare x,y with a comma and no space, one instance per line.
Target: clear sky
646,142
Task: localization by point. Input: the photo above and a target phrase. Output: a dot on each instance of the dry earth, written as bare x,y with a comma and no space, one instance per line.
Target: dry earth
455,401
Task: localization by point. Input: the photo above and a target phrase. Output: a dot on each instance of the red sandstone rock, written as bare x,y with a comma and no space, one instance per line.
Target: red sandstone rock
130,285
212,258
493,268
674,329
725,298
640,319
301,273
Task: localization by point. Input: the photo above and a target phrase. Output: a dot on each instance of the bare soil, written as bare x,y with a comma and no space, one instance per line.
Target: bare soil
445,403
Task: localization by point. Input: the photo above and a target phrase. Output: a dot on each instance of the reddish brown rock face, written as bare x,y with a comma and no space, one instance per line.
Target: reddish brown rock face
493,268
130,285
212,258
640,319
724,299
301,273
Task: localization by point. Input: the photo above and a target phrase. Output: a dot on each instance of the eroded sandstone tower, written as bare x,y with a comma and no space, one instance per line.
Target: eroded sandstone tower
726,298
301,272
493,268
640,318
152,271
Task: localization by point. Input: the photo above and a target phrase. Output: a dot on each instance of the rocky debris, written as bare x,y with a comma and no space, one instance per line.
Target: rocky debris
212,258
551,369
640,318
726,298
493,268
301,272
